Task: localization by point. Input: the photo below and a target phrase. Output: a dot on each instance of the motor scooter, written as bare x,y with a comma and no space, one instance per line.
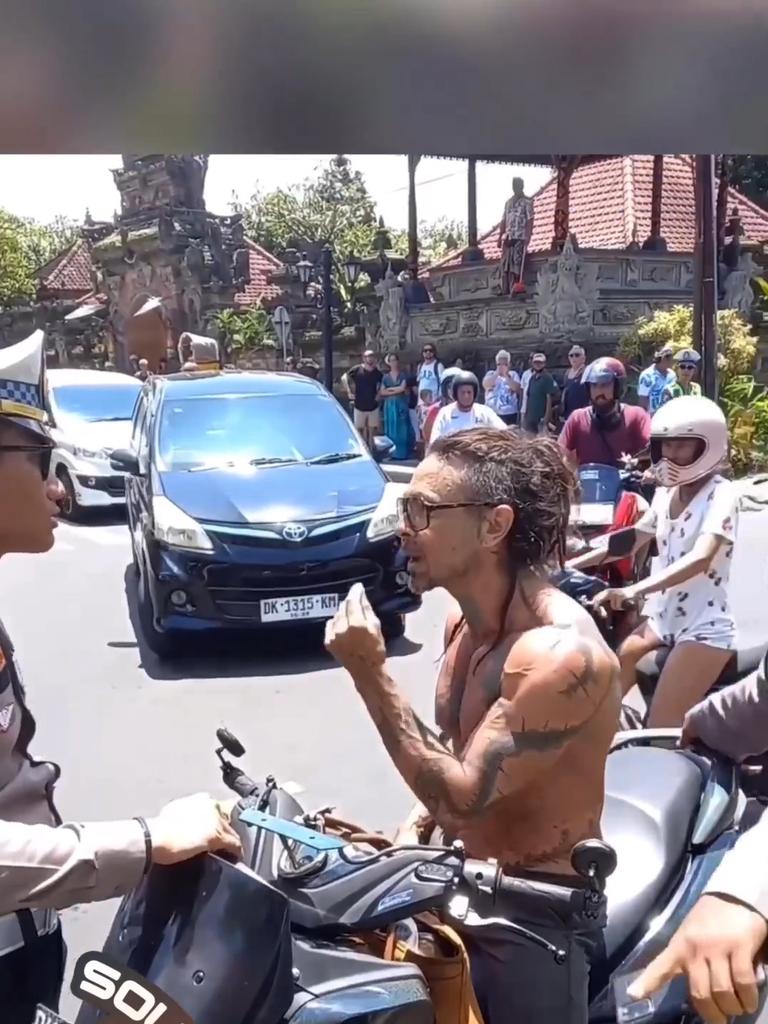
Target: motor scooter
276,939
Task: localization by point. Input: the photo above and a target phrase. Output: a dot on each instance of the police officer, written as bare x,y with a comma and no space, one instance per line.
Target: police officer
45,864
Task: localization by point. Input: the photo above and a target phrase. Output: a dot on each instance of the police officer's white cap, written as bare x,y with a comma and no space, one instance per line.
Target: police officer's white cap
22,383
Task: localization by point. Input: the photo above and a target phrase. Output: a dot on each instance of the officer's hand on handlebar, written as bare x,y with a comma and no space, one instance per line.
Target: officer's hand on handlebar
615,598
715,947
192,825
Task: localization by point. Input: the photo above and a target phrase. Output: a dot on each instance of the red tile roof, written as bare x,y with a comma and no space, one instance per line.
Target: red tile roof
610,197
261,263
69,273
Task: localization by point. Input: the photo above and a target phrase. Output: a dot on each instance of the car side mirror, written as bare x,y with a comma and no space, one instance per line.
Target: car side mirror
125,461
382,448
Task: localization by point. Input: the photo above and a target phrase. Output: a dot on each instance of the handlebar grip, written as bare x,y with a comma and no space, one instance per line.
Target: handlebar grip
239,782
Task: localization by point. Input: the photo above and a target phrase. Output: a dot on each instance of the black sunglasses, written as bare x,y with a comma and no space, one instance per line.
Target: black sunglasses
44,454
415,514
687,366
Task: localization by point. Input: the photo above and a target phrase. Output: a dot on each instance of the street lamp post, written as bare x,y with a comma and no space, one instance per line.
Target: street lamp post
305,271
326,262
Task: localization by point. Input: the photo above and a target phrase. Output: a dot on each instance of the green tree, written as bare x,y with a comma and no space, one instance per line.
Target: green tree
440,237
749,174
743,400
246,330
335,208
25,246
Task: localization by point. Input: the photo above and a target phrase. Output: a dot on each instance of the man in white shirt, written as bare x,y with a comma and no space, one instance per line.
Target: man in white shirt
464,412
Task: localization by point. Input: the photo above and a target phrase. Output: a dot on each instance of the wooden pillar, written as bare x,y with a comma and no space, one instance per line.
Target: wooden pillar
472,253
722,201
413,221
655,241
565,166
705,274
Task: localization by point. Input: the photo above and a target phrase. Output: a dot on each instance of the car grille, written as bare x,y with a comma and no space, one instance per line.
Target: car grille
237,591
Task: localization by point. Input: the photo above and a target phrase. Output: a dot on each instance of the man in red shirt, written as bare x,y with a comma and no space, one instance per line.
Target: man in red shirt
607,430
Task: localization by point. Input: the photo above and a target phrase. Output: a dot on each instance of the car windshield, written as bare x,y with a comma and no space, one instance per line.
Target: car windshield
96,403
196,433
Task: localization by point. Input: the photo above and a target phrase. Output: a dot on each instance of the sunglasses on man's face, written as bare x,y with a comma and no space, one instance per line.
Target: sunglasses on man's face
42,452
687,366
415,513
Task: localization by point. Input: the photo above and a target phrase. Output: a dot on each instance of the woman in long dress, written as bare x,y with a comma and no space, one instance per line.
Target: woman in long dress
396,409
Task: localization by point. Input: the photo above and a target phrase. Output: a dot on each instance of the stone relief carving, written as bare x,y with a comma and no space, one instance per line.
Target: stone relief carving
494,280
686,275
738,292
392,314
633,273
566,294
609,273
660,273
440,287
472,323
626,313
437,326
471,284
516,319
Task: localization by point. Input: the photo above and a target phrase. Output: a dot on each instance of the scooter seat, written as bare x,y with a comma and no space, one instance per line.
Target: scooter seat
740,664
651,799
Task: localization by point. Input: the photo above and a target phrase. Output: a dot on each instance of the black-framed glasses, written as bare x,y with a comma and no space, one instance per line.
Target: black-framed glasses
44,454
687,366
415,513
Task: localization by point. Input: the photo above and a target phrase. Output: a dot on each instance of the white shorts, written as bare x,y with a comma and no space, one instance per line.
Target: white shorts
720,633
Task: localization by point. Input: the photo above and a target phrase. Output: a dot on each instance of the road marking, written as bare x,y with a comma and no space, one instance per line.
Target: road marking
292,788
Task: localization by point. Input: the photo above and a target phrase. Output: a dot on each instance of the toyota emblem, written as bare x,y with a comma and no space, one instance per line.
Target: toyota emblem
294,531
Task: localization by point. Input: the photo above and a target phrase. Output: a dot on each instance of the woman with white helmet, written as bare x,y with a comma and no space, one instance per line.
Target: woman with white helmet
693,520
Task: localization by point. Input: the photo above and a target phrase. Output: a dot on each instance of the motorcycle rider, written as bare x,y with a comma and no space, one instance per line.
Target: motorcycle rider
45,864
607,430
718,943
527,701
693,518
464,412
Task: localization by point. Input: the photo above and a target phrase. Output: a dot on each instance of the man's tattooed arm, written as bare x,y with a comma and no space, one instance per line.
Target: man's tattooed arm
553,683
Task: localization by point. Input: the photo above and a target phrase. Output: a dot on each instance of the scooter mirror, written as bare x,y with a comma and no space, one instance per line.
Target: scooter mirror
593,857
231,743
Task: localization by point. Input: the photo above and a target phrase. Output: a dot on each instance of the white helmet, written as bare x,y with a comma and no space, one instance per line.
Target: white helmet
690,416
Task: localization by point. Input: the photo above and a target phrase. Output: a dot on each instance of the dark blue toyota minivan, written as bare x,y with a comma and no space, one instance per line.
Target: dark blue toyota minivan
252,502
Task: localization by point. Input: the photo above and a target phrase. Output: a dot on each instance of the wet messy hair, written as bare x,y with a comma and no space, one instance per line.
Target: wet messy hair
531,474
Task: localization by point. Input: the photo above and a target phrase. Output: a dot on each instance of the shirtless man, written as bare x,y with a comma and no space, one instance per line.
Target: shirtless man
527,701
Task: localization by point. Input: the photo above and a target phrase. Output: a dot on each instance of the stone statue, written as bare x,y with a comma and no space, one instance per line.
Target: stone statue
738,292
566,294
392,311
242,266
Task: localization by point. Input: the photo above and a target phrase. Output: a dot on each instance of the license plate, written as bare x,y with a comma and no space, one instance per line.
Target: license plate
313,606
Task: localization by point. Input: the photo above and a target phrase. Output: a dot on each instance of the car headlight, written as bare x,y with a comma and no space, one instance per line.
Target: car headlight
174,527
384,521
86,453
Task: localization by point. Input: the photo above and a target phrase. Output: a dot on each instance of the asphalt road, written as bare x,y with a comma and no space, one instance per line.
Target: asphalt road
131,733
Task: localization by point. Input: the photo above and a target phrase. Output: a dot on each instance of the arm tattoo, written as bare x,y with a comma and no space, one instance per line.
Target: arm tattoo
457,789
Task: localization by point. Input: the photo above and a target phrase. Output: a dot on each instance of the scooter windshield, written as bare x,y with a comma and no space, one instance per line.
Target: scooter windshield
599,484
212,936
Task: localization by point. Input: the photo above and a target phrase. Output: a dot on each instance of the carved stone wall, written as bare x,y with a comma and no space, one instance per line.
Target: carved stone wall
589,296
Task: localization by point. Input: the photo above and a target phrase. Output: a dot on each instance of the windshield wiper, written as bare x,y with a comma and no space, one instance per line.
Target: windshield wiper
324,460
243,462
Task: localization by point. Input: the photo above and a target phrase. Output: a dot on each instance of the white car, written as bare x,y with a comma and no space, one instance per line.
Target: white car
90,415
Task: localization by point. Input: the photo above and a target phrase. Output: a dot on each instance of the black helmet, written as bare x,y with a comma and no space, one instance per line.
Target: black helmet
464,377
605,370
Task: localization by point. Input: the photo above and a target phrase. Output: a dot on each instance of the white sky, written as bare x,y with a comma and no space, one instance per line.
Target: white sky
43,186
